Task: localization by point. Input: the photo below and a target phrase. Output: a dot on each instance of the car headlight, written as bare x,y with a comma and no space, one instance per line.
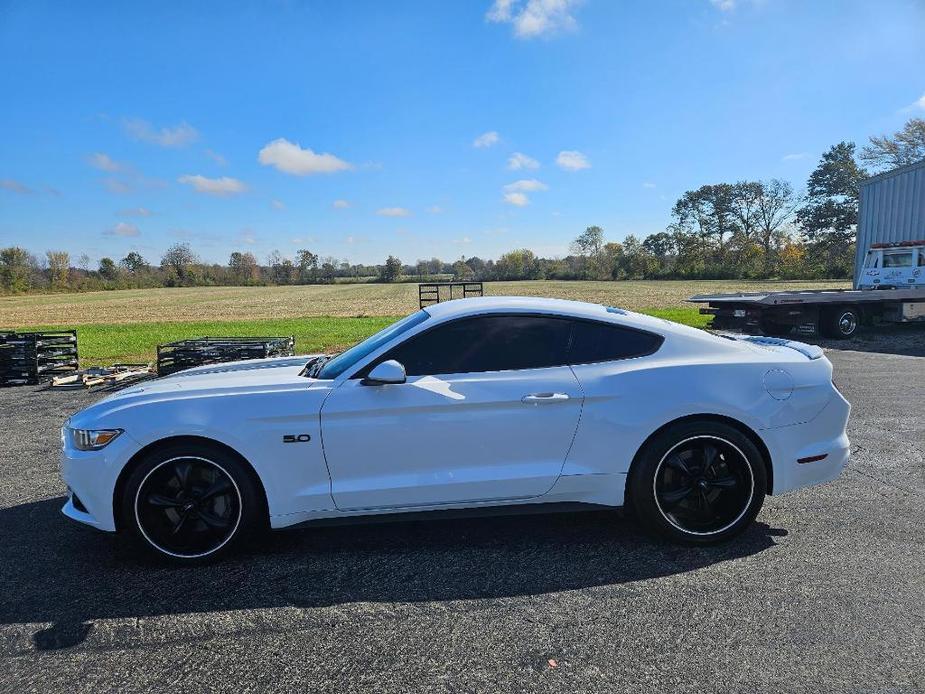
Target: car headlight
92,439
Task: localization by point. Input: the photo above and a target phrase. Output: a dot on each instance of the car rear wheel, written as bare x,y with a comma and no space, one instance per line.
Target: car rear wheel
698,482
189,504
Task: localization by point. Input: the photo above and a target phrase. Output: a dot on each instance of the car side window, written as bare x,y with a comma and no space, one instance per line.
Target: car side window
484,343
594,342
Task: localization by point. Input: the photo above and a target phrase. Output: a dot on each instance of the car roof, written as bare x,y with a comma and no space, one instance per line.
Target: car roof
561,307
685,337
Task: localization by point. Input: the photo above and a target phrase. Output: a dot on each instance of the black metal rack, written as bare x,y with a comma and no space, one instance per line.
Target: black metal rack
27,358
185,354
429,292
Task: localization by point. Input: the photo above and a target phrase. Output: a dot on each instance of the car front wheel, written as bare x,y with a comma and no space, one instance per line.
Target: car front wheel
698,483
190,503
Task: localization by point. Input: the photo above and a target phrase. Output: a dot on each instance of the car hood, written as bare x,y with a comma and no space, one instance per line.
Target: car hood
234,375
274,367
227,379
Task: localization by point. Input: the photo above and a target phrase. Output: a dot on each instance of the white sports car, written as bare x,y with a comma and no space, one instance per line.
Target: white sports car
472,403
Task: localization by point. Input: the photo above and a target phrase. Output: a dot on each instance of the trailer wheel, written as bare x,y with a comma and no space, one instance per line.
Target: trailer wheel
841,322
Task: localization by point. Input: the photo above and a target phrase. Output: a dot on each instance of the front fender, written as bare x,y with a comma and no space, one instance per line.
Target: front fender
253,424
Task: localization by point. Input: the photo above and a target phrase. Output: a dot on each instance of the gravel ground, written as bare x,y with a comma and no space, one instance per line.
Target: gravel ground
825,592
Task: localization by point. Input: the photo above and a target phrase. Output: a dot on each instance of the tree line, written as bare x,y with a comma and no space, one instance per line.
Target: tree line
740,230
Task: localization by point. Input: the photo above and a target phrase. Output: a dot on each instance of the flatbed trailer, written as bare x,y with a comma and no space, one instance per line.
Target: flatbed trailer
837,313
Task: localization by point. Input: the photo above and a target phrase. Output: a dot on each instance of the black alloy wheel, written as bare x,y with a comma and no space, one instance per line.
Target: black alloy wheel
190,504
699,481
703,485
188,507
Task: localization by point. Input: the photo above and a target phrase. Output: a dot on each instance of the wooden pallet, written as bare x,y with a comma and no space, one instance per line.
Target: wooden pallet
103,376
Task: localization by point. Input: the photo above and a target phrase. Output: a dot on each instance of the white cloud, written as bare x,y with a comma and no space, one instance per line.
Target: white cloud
486,139
534,17
519,161
917,105
125,178
724,5
15,186
246,236
435,209
278,205
465,240
341,204
525,185
500,11
290,157
515,193
648,184
571,160
117,185
123,229
135,212
216,157
794,157
177,136
104,162
394,212
214,186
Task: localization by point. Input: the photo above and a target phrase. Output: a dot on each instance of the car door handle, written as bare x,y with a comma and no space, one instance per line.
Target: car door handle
537,398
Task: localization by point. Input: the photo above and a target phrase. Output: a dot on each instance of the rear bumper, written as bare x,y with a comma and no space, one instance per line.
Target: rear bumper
824,438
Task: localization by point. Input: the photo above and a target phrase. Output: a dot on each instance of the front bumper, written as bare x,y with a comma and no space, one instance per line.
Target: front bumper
824,435
92,476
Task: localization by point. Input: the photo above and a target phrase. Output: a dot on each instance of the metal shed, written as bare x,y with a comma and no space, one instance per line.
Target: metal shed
892,208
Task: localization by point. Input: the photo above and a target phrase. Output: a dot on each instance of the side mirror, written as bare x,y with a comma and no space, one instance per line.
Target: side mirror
388,372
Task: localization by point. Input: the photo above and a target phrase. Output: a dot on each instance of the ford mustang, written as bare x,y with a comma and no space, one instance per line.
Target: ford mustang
467,404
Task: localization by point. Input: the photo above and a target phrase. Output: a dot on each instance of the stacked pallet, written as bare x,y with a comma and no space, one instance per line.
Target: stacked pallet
30,357
185,354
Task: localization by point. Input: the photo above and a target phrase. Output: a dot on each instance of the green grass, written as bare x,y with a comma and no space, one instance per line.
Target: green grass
687,316
136,342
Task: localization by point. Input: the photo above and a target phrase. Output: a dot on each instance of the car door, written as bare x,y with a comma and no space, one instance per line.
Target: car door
488,412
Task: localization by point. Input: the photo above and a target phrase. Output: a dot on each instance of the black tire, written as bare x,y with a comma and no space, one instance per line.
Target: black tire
698,498
840,322
191,503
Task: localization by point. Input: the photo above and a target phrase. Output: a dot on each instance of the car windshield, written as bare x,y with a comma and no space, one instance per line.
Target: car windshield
335,366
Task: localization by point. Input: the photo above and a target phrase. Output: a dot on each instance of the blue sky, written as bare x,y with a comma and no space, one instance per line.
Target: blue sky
359,129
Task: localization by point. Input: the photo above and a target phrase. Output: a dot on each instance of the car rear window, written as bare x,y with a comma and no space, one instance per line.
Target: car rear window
596,342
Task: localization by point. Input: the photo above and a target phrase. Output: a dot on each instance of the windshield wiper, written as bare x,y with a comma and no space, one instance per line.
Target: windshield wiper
313,368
